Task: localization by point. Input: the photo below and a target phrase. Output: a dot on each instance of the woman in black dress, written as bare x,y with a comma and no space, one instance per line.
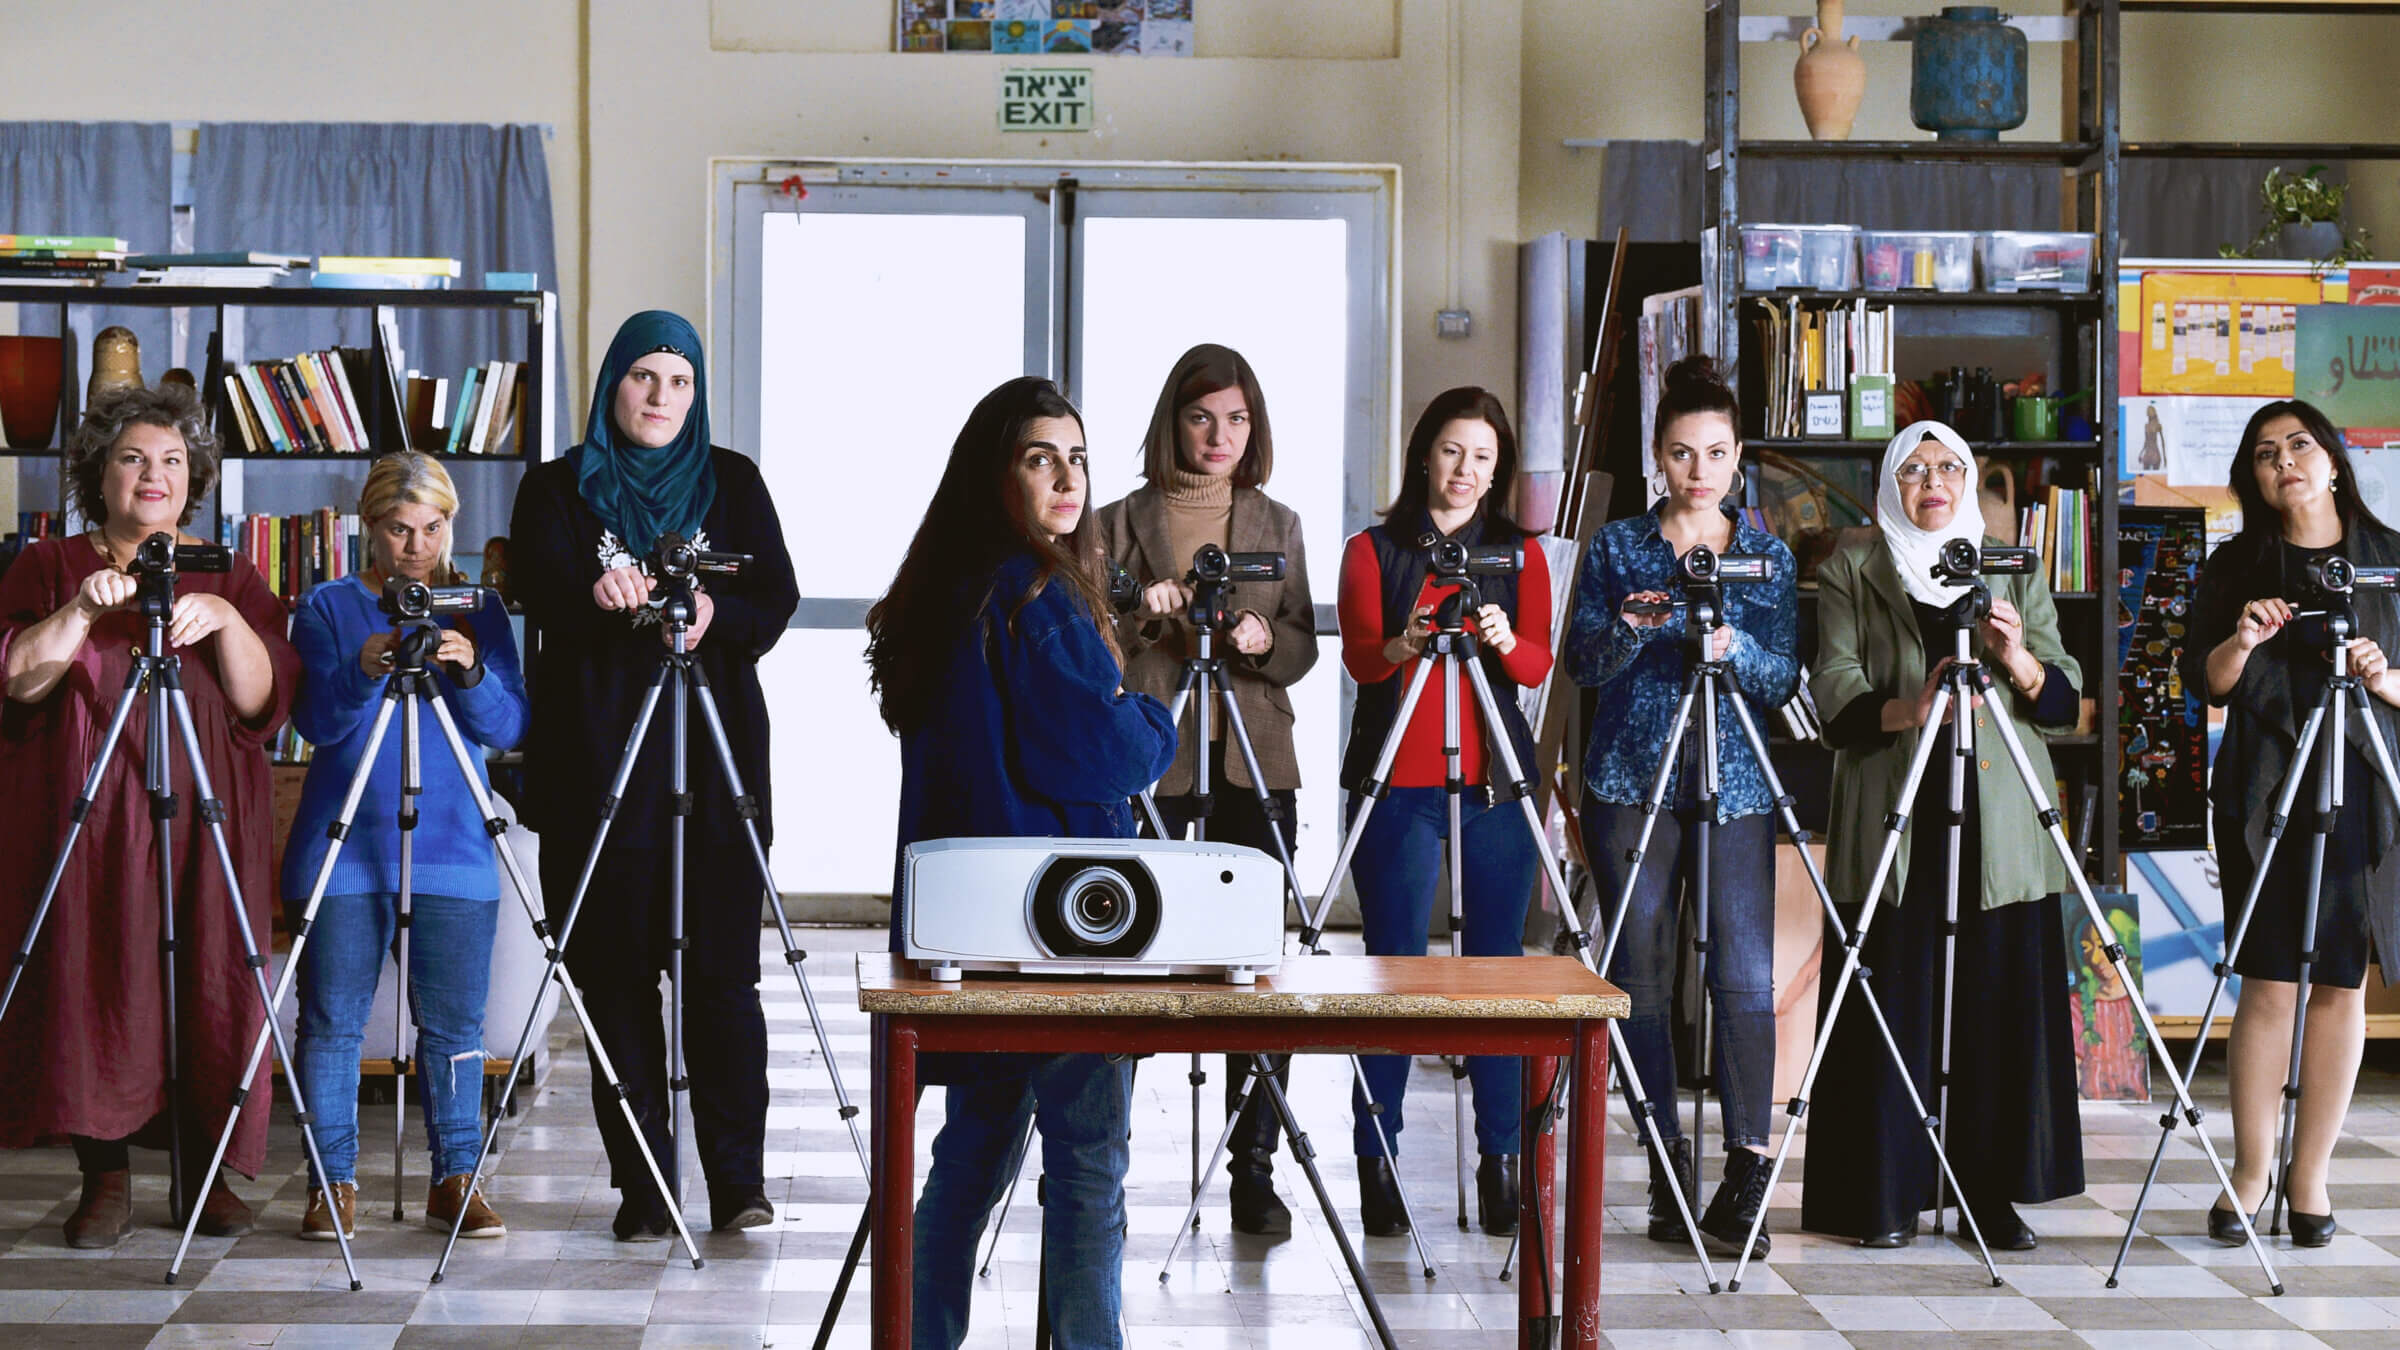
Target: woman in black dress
583,528
2253,653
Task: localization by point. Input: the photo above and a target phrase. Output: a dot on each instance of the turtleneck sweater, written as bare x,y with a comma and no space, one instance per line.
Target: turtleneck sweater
1199,511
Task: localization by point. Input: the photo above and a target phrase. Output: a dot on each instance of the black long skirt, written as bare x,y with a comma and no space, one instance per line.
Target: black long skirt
2015,1131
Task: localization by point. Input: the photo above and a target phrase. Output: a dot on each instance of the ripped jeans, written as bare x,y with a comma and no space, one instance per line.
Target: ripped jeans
449,973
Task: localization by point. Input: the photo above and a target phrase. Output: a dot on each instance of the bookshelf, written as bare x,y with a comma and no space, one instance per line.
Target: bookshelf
290,483
1931,328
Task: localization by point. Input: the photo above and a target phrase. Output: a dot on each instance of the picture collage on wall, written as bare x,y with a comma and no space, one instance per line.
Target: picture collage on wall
1046,27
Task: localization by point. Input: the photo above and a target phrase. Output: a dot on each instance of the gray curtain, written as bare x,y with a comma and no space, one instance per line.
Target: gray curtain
2166,208
91,178
480,194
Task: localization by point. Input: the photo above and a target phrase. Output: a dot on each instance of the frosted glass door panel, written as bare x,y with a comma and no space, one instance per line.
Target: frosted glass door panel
1278,292
877,335
837,768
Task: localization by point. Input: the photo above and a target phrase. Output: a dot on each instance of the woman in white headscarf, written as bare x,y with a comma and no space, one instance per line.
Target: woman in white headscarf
1886,633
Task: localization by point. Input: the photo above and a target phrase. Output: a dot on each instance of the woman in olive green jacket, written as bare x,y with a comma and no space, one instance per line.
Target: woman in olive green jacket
1885,635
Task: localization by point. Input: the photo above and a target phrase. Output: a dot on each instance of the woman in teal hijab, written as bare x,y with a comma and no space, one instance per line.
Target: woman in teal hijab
582,535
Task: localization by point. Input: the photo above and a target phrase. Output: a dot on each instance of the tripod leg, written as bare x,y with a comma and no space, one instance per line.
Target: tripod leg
2277,820
2329,808
554,956
1190,1222
747,807
1651,805
679,790
1454,785
211,812
1954,833
1864,984
66,848
2048,813
412,785
184,1198
1371,791
1306,1154
1704,821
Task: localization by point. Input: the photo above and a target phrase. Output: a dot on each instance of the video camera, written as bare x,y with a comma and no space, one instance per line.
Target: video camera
675,559
1124,593
1450,558
1214,565
1960,563
160,555
406,600
2337,575
2327,614
1708,567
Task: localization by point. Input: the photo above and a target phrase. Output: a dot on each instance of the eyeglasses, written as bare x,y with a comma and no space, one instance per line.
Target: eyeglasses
1917,471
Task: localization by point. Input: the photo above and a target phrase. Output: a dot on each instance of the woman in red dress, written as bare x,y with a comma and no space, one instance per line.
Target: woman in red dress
83,1050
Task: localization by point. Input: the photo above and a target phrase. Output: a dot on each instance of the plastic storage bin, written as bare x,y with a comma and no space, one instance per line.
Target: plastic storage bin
1917,260
1783,257
2036,260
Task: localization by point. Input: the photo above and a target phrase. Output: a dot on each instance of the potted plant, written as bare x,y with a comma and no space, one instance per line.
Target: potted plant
2304,220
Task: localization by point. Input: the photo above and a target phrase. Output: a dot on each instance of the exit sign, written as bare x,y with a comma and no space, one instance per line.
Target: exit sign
1045,100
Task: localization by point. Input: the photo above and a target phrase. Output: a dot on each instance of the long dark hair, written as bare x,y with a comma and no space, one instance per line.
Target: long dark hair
1202,371
970,528
1468,403
2262,525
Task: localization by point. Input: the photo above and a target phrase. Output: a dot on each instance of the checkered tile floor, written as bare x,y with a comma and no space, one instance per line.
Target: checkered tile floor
559,1279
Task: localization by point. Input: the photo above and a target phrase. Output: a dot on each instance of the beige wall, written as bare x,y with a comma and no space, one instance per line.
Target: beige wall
673,84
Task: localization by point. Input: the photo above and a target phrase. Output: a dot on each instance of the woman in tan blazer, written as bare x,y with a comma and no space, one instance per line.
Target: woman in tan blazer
1206,459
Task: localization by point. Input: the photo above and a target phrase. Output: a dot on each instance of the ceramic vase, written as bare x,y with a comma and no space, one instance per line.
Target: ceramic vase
116,363
1830,77
29,387
1967,74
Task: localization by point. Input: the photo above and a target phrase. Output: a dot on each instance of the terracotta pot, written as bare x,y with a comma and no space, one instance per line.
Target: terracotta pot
29,386
1831,76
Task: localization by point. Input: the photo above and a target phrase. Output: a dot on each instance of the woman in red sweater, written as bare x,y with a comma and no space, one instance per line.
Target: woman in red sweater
1461,465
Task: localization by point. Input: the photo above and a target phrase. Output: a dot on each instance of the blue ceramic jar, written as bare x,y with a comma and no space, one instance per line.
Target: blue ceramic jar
1967,76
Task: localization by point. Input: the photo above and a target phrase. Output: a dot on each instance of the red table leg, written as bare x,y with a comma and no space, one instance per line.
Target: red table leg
1537,1199
1587,1116
895,1186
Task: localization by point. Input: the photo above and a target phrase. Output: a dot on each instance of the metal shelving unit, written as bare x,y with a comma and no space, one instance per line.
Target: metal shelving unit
2088,163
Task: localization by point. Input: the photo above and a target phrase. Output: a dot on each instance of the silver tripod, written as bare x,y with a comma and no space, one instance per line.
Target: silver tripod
156,678
1454,650
674,562
1962,686
2344,694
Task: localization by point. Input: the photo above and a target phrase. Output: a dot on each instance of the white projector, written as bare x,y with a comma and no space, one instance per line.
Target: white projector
1092,907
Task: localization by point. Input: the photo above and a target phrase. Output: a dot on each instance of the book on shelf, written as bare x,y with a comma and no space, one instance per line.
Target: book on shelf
32,525
223,258
428,409
377,281
1804,348
183,275
98,242
382,266
13,266
307,404
2056,521
295,552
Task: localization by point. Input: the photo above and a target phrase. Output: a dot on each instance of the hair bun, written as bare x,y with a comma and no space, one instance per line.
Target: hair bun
1695,372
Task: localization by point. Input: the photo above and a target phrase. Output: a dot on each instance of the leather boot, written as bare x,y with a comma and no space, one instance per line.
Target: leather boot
223,1214
1737,1201
1666,1225
1496,1196
105,1212
1379,1209
1251,1193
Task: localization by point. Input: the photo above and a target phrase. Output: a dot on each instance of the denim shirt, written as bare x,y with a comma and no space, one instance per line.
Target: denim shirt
1639,672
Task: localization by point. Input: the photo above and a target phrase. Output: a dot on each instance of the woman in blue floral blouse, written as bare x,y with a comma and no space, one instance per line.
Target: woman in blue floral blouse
1638,663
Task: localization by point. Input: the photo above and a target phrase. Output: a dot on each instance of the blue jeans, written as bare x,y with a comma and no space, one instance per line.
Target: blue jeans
1397,869
1083,1106
449,973
1741,958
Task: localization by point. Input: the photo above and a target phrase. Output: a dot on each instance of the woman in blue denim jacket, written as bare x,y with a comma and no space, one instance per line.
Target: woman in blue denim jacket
1638,663
994,658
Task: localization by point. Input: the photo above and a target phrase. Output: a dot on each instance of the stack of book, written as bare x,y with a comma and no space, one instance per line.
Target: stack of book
234,268
484,421
32,525
1804,349
294,553
384,274
2058,522
59,259
307,405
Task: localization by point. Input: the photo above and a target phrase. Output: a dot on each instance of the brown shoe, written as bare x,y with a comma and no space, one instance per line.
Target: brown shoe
105,1211
223,1214
317,1224
443,1201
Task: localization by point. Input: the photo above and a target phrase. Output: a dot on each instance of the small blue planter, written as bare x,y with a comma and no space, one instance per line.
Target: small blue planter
1967,77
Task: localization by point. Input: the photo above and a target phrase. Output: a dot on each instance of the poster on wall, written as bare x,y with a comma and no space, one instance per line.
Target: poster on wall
2349,366
2112,1056
2162,725
2221,333
1048,27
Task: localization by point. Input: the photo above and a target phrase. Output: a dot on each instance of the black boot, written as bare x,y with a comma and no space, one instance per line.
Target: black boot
1496,1198
1256,1208
1739,1197
1666,1224
1379,1209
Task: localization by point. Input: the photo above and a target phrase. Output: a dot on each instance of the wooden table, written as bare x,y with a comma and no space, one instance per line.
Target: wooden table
1541,1007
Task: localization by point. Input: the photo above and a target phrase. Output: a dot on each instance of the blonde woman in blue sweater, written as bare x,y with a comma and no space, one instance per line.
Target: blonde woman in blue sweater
345,644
